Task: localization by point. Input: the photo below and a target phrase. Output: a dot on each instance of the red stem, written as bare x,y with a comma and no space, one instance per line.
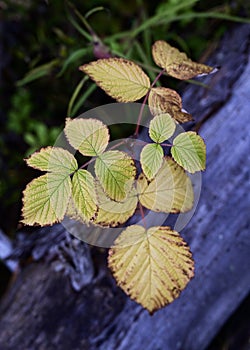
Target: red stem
145,100
142,215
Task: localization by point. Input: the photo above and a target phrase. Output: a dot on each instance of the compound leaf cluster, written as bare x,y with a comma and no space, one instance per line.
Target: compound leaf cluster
151,264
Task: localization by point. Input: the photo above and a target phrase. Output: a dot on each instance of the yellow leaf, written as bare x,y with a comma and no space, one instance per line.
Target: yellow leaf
111,213
88,136
176,63
45,199
170,191
84,195
189,151
163,100
123,80
54,159
151,159
161,128
152,266
116,172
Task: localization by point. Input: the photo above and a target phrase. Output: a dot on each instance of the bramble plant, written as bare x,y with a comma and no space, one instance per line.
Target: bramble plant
151,264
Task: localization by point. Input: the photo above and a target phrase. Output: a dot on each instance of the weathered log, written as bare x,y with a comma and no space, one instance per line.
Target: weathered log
64,297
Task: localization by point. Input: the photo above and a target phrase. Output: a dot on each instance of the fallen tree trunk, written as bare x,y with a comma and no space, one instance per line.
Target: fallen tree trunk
64,297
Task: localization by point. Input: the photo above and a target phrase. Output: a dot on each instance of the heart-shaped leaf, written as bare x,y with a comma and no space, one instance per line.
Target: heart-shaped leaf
152,266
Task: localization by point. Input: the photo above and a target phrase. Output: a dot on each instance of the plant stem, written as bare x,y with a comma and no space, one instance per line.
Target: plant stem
87,163
145,100
166,144
142,216
94,158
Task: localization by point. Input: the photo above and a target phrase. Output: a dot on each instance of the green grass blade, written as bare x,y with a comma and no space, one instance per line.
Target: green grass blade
73,58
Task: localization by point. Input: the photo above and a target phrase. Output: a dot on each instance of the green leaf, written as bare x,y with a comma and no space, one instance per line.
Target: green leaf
152,266
74,106
111,213
169,192
116,171
38,72
163,100
161,127
176,63
53,159
151,159
121,79
89,136
45,199
84,195
73,57
189,151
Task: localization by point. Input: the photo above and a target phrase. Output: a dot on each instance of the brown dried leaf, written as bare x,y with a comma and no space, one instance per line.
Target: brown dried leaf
163,100
176,63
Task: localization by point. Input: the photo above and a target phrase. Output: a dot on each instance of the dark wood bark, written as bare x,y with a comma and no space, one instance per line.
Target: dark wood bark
64,297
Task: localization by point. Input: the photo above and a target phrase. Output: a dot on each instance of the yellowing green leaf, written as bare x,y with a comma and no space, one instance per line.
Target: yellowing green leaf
163,100
152,266
111,213
121,79
53,159
45,199
116,171
161,128
189,151
89,136
176,63
170,191
84,195
151,159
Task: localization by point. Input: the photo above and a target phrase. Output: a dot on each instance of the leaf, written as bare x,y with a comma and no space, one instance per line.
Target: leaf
38,72
45,199
53,159
84,195
161,128
111,213
89,136
169,192
151,159
123,80
189,151
74,56
163,100
152,266
116,171
176,63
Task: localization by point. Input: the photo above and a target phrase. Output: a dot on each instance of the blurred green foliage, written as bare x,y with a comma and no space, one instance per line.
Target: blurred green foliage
20,121
45,41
